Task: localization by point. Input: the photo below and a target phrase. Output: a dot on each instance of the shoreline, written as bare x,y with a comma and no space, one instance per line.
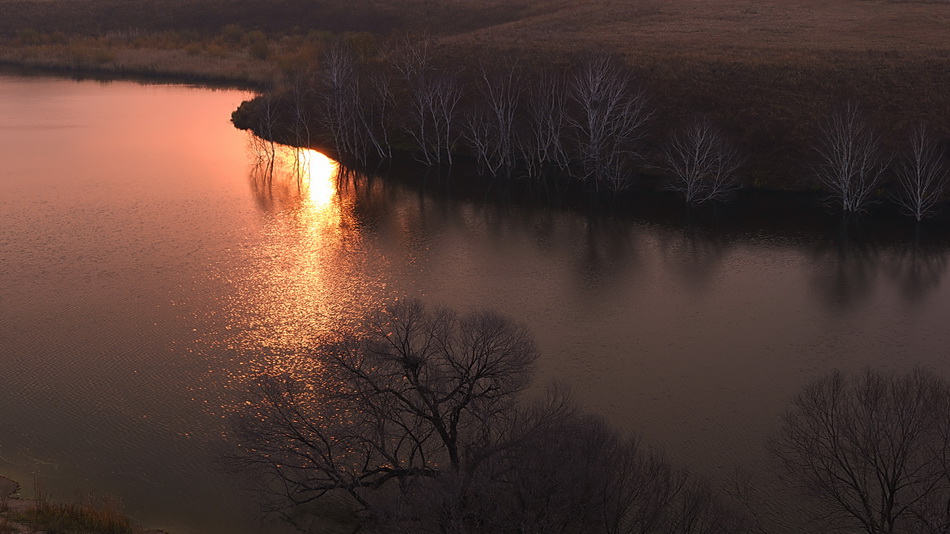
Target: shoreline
12,504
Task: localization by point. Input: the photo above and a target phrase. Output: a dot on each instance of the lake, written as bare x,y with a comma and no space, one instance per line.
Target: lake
149,271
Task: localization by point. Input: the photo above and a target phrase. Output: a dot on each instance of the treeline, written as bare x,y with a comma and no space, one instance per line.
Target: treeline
588,122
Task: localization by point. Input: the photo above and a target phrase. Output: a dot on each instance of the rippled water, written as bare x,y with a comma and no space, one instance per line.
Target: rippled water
148,268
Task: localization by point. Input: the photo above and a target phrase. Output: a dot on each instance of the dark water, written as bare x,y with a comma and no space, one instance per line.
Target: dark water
148,271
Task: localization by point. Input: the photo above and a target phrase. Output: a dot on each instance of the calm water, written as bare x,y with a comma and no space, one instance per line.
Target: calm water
147,271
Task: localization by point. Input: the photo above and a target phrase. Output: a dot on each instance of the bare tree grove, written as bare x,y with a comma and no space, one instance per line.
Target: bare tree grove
492,131
585,124
420,420
610,117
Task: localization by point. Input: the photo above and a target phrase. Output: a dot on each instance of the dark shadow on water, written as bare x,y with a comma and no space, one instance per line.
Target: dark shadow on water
851,255
918,265
846,264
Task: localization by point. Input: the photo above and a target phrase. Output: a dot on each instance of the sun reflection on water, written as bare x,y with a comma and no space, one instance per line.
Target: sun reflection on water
322,173
309,278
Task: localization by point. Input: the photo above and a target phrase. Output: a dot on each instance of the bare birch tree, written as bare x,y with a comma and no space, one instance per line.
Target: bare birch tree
851,161
340,105
872,449
921,176
262,145
431,119
610,117
300,87
491,125
701,162
541,145
377,119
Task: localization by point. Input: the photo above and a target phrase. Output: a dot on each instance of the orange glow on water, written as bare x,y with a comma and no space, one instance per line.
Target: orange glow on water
308,279
321,173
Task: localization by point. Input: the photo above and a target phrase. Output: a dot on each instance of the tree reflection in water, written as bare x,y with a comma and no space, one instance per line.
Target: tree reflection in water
849,262
846,264
918,266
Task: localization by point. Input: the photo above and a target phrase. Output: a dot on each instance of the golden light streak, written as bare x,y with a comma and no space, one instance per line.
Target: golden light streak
321,173
308,277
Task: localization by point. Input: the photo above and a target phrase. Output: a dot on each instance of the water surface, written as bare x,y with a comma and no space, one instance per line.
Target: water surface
148,271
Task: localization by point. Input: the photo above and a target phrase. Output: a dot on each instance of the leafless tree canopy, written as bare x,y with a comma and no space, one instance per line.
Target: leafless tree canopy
610,116
851,161
701,162
541,144
921,176
413,397
492,122
873,449
431,112
419,421
355,105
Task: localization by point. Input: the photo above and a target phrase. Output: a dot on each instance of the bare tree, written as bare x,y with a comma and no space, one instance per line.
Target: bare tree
491,131
414,397
433,97
299,85
851,162
609,120
541,145
340,106
872,449
701,162
921,176
418,419
563,472
378,116
261,144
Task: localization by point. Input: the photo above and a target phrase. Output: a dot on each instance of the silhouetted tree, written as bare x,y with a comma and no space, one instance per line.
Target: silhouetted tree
417,417
566,472
921,176
873,449
411,398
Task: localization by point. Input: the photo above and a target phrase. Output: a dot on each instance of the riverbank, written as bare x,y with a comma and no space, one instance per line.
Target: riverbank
767,74
29,516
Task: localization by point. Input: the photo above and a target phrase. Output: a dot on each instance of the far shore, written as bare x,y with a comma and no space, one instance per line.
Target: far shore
767,73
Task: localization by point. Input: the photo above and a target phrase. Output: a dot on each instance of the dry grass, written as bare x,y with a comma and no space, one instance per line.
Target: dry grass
86,515
763,28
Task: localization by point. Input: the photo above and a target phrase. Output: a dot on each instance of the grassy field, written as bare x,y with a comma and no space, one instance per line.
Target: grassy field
767,71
